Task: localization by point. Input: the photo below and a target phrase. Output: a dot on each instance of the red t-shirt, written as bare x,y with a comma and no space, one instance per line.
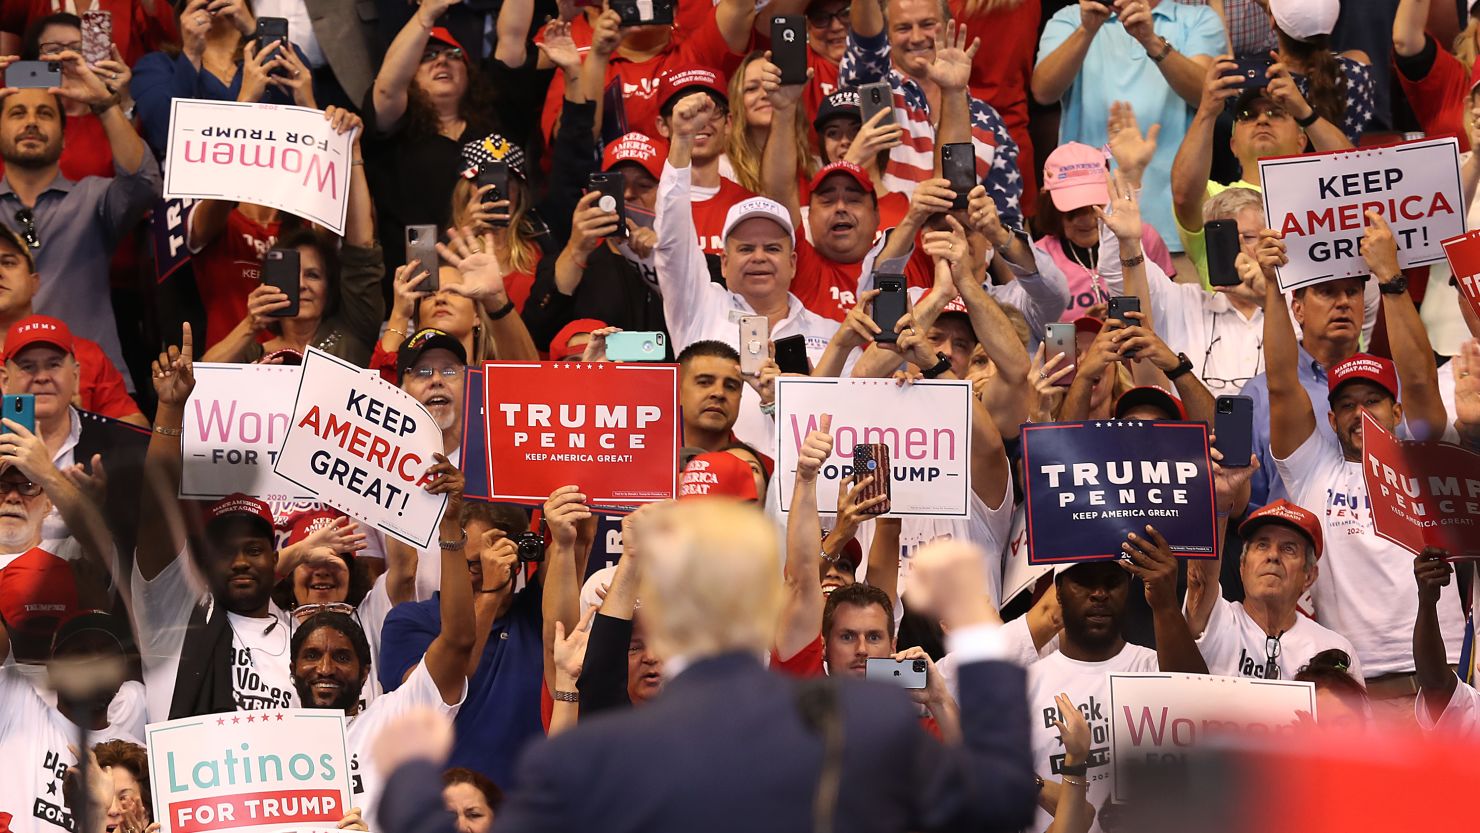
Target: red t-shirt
228,268
136,32
518,284
1440,98
704,47
1002,70
806,663
100,386
709,215
830,288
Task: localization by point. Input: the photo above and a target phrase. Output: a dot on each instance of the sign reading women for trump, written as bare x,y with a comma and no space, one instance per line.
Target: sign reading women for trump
363,446
612,429
1319,203
1424,494
926,425
1158,720
287,157
1089,484
235,421
275,771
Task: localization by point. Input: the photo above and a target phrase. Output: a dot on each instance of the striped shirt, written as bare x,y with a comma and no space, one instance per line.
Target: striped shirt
913,161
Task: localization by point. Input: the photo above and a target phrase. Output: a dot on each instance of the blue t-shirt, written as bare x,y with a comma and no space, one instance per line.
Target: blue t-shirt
502,709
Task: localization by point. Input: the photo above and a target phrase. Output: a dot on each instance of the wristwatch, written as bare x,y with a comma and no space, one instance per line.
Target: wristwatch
1310,119
1396,286
1166,49
940,367
1184,366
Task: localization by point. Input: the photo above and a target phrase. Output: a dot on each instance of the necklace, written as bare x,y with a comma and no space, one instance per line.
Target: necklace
1085,258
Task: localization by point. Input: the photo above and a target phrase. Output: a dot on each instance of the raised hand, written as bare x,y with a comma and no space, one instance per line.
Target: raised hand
95,484
559,47
1124,216
1131,149
174,371
1467,387
1432,573
690,113
606,34
1219,85
261,303
1271,253
873,138
1283,90
951,70
473,257
981,209
595,350
1229,481
79,82
1092,15
1147,556
1380,249
815,450
449,481
342,535
1073,730
570,649
564,510
858,326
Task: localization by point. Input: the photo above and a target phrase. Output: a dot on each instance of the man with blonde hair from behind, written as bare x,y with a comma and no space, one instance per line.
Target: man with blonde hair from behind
730,746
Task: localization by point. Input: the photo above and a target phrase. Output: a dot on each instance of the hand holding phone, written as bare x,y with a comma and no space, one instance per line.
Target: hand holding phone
19,408
280,270
789,47
1233,430
890,305
33,75
755,337
958,164
872,460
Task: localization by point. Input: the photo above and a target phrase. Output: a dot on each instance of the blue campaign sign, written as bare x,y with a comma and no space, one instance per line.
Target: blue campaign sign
1089,484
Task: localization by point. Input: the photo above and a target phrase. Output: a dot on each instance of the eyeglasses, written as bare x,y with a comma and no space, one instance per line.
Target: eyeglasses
452,53
820,18
428,372
24,488
1275,113
1272,654
302,612
53,47
1215,383
28,227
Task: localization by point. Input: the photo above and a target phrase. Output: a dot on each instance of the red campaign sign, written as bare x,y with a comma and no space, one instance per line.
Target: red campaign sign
612,429
276,807
1463,253
1423,494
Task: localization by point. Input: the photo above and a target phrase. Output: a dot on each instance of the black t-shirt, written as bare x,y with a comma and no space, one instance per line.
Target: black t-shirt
411,179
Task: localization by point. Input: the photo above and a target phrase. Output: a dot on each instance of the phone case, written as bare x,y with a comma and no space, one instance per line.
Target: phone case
875,97
791,355
33,75
271,29
789,47
97,36
889,306
636,346
613,200
905,673
19,408
1060,338
1233,425
873,459
280,269
1117,308
421,245
958,164
755,334
1223,248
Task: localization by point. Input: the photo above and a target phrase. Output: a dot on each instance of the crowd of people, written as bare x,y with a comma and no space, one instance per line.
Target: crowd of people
1105,136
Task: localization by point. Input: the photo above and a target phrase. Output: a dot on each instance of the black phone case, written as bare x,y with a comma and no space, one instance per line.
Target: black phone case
497,175
280,270
613,188
789,47
1117,308
1251,72
875,97
889,306
791,355
1223,249
958,164
1233,425
270,30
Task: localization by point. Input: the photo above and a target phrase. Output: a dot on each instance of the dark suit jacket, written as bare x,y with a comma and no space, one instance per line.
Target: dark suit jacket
725,749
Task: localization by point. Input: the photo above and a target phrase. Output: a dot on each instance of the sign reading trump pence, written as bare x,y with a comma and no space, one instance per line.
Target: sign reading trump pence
1089,484
926,425
363,446
274,771
612,429
1319,203
1423,494
287,157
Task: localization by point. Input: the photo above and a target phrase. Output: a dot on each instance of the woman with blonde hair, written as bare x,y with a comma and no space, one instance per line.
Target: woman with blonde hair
750,124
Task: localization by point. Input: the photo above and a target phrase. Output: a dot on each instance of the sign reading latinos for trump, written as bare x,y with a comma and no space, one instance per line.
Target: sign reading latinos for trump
235,421
612,429
1089,484
1319,203
1423,494
287,157
927,427
1464,261
273,771
1157,720
363,446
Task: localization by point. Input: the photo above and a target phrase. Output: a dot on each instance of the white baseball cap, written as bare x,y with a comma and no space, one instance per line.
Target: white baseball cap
1305,19
758,207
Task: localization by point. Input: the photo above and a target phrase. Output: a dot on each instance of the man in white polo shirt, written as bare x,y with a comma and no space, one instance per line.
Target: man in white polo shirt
1264,635
758,264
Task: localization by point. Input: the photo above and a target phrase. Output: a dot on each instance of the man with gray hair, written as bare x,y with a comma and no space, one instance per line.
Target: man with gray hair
1264,636
730,746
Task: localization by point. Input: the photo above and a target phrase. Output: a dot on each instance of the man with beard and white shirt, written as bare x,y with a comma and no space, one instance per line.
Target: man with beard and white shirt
1092,596
331,660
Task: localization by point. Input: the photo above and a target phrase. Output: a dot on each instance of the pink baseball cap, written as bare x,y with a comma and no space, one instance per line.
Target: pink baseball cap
1075,176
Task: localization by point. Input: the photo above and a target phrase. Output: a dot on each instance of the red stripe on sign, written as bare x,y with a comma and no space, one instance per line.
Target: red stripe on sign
250,809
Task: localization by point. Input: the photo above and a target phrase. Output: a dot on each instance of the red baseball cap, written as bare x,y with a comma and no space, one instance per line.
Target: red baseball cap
1153,396
440,33
1364,367
1088,324
635,147
847,168
239,505
717,474
37,329
688,79
1285,513
304,524
560,345
37,594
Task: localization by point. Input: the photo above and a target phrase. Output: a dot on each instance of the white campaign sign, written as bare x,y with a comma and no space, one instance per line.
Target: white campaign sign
269,154
274,771
235,421
927,427
363,446
1319,201
1155,719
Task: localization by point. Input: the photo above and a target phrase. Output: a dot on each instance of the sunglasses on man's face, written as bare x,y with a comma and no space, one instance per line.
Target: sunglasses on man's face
822,19
1274,114
453,54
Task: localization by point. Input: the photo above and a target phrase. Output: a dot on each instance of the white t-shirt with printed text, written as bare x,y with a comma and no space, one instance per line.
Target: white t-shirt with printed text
1234,645
33,759
418,691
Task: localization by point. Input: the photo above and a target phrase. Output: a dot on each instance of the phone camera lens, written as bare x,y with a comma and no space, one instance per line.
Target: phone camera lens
919,666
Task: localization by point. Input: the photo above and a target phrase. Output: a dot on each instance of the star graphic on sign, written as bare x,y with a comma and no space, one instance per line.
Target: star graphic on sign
235,720
220,721
280,717
250,718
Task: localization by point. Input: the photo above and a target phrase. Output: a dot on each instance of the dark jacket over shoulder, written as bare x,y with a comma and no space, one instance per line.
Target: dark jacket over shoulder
725,749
